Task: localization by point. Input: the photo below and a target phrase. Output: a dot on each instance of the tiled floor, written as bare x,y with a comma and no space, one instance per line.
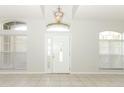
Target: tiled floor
60,80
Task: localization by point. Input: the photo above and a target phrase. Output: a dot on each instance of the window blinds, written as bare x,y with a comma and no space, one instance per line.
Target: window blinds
111,49
13,52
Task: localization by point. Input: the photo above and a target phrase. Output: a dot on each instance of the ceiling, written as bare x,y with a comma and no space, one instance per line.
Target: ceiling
70,12
22,11
113,12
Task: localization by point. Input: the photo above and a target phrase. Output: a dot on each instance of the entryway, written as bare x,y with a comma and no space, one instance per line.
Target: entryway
57,53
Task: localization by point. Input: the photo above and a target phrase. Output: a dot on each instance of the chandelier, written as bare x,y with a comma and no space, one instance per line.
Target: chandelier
58,25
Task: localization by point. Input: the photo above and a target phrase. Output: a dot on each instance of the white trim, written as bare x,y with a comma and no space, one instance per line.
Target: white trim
45,58
22,73
70,52
11,20
121,73
97,73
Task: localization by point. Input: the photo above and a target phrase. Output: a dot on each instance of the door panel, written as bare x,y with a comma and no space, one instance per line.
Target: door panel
58,54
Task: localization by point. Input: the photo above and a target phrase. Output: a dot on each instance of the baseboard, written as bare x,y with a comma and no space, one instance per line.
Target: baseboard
70,73
22,73
97,73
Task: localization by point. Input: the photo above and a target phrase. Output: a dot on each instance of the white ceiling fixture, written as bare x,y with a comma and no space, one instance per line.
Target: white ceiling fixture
58,25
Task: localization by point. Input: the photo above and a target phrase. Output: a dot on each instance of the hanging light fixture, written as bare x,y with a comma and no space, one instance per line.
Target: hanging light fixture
58,25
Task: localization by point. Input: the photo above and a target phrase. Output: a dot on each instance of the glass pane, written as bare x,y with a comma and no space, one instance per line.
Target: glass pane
109,35
20,43
61,55
115,47
61,52
49,46
104,47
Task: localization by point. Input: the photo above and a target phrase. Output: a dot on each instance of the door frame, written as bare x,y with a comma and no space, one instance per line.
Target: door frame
70,48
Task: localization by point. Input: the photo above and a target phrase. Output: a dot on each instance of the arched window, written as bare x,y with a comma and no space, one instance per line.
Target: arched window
110,35
13,46
110,42
15,25
110,50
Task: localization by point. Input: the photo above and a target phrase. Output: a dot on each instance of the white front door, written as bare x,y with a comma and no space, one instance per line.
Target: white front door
57,60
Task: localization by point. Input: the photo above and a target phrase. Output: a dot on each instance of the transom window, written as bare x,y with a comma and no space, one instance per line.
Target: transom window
15,25
110,35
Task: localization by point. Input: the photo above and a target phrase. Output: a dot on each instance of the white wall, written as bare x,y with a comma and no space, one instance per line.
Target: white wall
36,29
85,53
85,47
